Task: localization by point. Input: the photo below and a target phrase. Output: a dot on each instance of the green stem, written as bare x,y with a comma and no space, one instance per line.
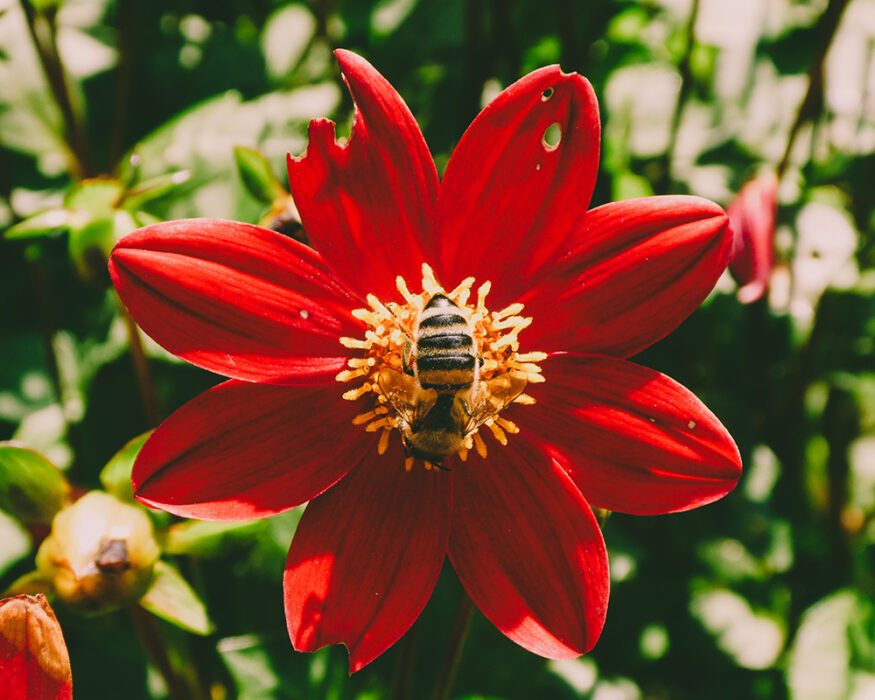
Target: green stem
42,32
455,645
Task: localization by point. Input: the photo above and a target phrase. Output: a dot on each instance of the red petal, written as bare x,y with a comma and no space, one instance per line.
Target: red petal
368,205
508,202
34,663
366,557
528,550
235,299
632,439
637,269
241,451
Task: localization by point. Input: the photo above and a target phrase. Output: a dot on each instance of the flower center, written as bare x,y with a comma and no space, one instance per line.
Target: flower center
439,368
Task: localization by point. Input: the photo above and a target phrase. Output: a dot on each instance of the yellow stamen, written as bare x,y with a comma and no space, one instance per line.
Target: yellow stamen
497,432
353,394
350,374
463,454
479,445
525,400
402,287
363,418
355,343
511,310
531,356
361,362
508,425
383,444
482,291
408,463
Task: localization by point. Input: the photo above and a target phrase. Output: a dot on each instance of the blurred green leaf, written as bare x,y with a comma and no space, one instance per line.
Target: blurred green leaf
833,653
46,223
201,538
257,175
116,475
171,598
32,489
14,542
96,197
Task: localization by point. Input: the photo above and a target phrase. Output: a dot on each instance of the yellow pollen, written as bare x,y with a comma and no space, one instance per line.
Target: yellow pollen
385,362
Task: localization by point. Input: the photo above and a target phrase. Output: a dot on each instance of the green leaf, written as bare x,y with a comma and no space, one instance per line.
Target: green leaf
833,649
116,475
171,598
46,223
32,489
257,175
200,538
31,583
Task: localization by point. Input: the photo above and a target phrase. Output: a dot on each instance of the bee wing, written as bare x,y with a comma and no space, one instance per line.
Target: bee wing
405,395
492,396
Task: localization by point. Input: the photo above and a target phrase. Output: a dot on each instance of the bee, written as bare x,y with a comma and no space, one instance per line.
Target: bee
440,398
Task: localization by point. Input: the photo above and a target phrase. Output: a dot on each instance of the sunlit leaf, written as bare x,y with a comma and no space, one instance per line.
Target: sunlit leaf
201,538
116,475
171,598
32,489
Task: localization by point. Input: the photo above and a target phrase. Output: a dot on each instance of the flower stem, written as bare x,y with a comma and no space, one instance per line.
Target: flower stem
813,100
42,31
665,179
150,639
455,645
148,397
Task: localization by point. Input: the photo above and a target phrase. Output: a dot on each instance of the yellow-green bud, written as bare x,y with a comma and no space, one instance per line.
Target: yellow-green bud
100,553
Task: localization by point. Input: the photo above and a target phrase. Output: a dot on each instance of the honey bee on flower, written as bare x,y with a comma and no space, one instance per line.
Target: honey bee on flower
489,312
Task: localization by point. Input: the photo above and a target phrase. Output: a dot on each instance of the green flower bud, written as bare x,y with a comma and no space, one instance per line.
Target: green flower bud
100,554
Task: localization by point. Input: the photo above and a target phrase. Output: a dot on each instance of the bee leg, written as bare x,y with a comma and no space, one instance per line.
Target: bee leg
441,467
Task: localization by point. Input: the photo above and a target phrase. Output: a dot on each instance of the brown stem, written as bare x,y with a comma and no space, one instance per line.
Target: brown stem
813,100
148,396
125,9
42,32
455,645
686,74
150,638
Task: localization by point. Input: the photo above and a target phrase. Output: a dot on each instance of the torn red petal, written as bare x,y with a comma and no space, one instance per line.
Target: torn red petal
366,557
241,451
368,204
236,299
635,270
519,182
529,552
633,440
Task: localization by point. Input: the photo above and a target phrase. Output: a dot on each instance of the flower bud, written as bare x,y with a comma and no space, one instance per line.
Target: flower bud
752,217
34,664
100,553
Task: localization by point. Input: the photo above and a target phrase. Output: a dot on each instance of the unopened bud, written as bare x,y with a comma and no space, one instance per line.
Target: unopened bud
752,217
100,553
34,664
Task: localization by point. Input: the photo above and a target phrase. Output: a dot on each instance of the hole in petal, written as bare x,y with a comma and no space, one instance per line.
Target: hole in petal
547,94
552,137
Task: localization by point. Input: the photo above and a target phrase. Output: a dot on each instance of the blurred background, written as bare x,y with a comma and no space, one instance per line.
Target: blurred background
115,114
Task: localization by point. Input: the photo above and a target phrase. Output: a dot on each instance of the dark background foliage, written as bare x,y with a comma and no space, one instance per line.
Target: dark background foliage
766,594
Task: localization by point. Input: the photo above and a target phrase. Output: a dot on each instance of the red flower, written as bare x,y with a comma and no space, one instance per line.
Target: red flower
752,215
284,323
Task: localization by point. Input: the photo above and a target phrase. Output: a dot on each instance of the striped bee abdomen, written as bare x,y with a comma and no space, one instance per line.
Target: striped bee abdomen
446,359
